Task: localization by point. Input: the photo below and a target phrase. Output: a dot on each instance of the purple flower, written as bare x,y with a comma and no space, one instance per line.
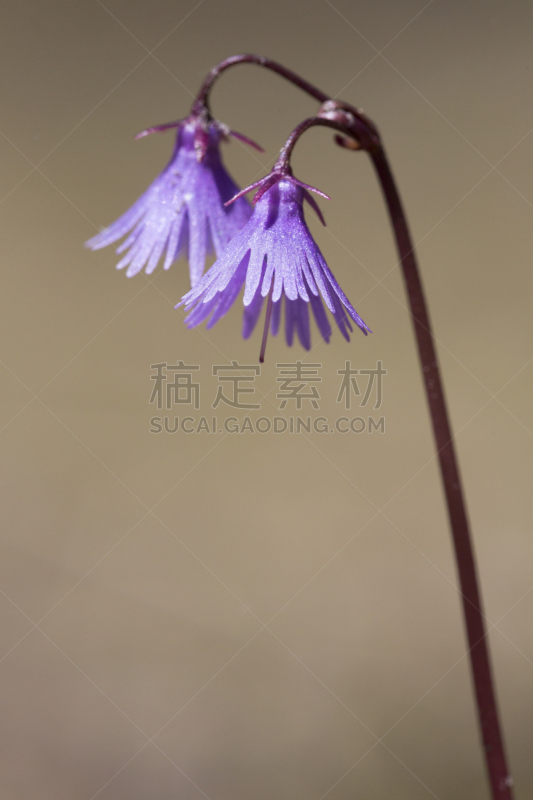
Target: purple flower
184,206
275,255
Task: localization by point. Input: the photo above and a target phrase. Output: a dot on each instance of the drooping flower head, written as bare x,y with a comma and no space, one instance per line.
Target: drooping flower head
275,255
184,206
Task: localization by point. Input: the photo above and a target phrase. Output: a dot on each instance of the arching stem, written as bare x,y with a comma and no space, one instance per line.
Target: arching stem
202,98
478,650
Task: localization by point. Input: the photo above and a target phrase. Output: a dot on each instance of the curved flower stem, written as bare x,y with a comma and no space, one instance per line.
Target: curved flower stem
346,119
500,780
201,101
202,98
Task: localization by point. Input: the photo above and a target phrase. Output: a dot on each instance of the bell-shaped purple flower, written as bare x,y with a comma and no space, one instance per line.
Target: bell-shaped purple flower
275,255
183,208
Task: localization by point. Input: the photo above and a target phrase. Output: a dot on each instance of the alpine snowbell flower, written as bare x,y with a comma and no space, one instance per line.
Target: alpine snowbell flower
184,206
274,255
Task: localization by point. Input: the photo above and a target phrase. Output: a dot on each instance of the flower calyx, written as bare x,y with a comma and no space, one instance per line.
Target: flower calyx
279,174
203,123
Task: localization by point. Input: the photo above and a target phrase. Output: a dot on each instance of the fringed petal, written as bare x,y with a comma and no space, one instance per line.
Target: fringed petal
178,239
200,312
340,294
341,318
229,294
123,224
256,270
183,207
275,254
312,252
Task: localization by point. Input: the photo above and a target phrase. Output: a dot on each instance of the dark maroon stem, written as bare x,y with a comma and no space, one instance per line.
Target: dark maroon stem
202,98
499,778
346,119
283,162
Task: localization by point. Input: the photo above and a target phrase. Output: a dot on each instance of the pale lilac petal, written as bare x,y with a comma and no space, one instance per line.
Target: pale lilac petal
197,244
289,267
256,270
158,248
226,274
227,297
200,312
275,258
141,253
125,260
217,278
176,243
130,240
299,276
124,223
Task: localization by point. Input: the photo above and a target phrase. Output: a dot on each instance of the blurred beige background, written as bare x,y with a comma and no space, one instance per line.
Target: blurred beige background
231,616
